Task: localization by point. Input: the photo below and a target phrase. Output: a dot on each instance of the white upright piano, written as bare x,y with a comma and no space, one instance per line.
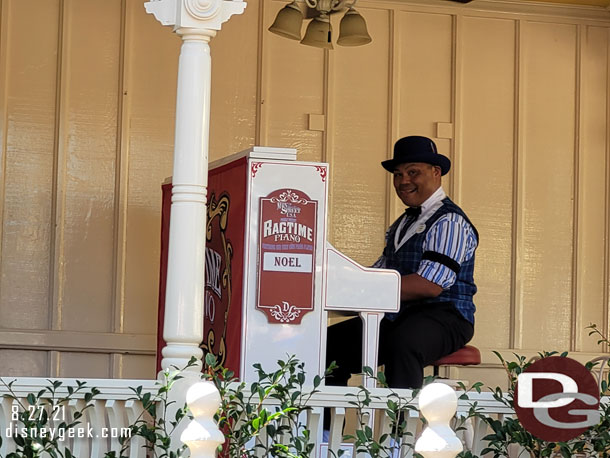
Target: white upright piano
271,275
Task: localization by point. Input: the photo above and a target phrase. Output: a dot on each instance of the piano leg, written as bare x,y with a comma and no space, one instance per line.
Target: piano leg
370,344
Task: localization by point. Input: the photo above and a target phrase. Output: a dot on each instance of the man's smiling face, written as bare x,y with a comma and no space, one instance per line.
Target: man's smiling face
415,182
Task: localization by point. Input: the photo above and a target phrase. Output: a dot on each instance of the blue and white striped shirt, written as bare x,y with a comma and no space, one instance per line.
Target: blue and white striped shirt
451,235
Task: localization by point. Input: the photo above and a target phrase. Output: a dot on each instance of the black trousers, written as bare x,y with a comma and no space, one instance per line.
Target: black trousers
418,337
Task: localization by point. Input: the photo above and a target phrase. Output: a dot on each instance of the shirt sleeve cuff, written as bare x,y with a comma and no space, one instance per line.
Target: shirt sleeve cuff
437,273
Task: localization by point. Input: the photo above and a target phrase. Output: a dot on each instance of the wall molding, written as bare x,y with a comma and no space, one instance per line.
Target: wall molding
79,342
536,9
489,359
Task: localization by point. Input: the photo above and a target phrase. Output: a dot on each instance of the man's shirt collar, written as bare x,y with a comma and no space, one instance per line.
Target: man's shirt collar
430,202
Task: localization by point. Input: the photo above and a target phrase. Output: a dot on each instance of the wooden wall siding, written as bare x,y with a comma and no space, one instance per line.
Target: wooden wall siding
236,83
487,92
87,136
358,131
546,185
27,163
151,53
292,87
593,162
517,96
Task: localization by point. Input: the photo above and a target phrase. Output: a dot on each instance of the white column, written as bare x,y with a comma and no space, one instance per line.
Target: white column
183,328
196,21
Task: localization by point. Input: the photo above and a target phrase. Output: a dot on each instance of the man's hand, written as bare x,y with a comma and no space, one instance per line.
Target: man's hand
413,287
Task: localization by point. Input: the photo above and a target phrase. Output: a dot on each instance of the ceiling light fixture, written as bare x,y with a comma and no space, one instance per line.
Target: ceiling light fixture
352,28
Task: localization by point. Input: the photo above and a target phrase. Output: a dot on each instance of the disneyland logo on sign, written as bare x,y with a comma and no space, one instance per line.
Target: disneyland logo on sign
557,399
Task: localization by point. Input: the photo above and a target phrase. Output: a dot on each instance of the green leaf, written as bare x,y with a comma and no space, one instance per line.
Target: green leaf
361,436
367,371
255,423
210,360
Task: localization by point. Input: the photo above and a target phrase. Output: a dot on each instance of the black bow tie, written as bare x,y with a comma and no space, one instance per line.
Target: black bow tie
413,212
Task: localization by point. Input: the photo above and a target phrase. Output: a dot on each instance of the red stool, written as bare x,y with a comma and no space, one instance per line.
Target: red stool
465,356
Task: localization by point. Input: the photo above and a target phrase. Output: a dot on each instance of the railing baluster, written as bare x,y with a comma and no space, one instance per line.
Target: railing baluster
367,417
337,417
479,431
96,417
263,439
7,424
412,419
134,410
80,446
385,427
116,419
313,425
464,434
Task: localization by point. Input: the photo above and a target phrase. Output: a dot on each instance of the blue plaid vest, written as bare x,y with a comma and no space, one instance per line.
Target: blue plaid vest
406,261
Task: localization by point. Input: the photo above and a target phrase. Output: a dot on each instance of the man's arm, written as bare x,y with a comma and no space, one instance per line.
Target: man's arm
413,287
449,242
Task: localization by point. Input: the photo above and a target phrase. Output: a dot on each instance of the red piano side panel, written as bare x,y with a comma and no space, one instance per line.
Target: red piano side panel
225,263
225,229
166,190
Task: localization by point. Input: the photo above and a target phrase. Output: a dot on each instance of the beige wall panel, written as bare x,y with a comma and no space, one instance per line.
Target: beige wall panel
23,363
152,100
424,73
424,81
593,180
234,83
360,138
27,175
90,365
485,163
90,128
292,88
547,185
138,367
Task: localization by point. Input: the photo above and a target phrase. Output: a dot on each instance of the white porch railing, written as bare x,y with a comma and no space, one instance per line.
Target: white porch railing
114,409
111,413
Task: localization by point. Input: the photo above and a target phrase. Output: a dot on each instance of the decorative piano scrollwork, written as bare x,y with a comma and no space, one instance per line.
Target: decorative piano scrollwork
208,344
255,166
289,196
219,209
284,313
322,171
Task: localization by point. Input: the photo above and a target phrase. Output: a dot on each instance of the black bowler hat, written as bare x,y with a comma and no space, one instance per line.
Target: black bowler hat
417,149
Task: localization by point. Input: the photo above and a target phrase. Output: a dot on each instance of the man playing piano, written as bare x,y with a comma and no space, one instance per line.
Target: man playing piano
432,246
